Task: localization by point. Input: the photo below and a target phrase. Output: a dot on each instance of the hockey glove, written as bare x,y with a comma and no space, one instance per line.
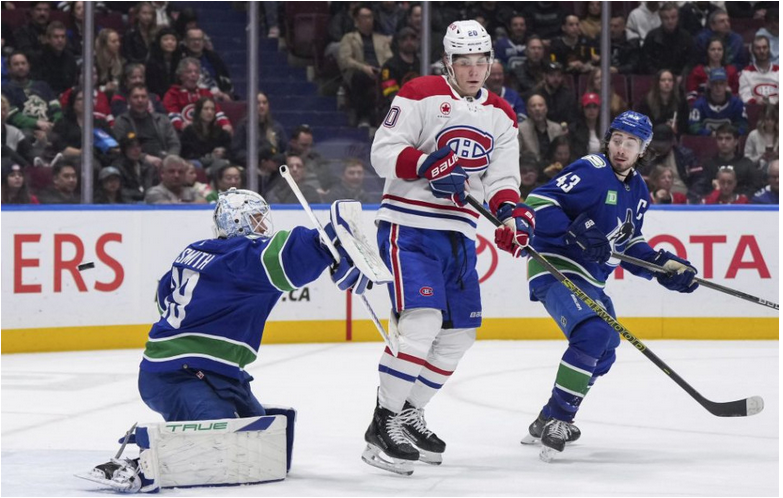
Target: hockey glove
515,234
681,272
344,273
447,179
589,238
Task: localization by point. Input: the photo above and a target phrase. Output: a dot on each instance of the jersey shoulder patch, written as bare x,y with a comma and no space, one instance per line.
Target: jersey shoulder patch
425,86
595,160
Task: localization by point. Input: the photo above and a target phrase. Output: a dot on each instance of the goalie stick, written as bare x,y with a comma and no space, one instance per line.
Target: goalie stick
739,408
389,338
706,283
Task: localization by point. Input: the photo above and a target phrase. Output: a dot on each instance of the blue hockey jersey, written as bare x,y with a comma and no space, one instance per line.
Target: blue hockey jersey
590,186
215,300
706,116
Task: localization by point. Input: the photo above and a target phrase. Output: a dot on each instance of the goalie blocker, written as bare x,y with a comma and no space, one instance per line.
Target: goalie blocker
204,453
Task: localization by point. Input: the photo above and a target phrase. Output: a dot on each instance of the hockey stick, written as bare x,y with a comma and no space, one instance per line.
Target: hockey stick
706,283
739,408
390,340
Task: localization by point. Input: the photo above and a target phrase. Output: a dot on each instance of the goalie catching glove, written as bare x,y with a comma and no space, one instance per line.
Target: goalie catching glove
515,234
344,272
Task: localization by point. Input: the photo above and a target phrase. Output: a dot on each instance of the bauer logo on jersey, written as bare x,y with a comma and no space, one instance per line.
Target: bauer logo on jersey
426,291
471,145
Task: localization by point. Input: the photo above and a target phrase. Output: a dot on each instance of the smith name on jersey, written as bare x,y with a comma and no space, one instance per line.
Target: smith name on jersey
589,185
426,115
218,327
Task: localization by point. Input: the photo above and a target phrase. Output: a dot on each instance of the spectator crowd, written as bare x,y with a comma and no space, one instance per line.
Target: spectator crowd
706,73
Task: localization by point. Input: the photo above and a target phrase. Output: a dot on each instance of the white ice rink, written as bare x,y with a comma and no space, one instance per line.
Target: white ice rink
642,435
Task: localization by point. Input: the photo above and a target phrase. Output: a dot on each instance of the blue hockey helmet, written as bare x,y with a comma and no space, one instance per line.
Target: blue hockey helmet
242,212
633,123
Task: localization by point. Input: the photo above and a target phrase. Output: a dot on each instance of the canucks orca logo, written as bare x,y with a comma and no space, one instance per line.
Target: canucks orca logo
623,233
471,145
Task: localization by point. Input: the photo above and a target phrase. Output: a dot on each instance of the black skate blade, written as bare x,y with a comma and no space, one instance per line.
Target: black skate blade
377,458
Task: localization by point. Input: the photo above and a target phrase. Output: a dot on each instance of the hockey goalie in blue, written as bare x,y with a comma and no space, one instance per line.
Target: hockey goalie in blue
214,303
593,207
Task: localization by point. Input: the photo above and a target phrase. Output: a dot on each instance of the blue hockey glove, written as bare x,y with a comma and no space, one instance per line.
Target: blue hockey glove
344,273
515,234
447,179
589,238
681,272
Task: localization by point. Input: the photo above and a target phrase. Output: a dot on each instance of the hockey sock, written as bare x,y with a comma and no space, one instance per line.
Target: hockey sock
418,328
447,350
571,384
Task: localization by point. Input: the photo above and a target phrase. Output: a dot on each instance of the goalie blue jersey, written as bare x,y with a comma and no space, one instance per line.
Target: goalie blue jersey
215,300
589,185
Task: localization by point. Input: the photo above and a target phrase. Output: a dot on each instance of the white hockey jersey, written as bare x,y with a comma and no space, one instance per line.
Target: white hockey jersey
428,114
755,85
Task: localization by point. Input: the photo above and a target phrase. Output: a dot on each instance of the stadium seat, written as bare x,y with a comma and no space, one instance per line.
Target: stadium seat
40,178
308,35
640,86
754,112
618,82
746,28
235,111
14,18
703,147
111,20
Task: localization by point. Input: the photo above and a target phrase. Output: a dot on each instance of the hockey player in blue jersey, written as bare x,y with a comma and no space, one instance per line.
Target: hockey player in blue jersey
214,304
593,207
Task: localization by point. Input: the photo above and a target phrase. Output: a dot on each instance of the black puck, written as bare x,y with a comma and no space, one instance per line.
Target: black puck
86,266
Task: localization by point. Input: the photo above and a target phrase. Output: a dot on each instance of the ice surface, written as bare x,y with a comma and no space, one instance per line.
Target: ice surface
62,413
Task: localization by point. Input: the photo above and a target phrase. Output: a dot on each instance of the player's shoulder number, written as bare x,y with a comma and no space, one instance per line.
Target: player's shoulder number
568,181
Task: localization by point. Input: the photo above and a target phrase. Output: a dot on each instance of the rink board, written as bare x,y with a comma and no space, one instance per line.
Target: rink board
48,305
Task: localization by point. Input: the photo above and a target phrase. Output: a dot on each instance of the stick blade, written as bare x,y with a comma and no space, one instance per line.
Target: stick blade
740,408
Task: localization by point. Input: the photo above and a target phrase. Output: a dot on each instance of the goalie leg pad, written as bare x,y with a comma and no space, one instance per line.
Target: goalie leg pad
214,452
290,415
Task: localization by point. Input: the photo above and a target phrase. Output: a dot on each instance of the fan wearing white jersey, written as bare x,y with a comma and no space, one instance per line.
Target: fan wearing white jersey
444,137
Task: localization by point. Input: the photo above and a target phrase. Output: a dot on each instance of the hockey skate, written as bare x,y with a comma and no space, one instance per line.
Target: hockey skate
537,428
119,474
387,447
553,439
430,446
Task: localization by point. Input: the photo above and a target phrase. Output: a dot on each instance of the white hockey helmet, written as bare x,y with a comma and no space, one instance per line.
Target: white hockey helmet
242,212
466,38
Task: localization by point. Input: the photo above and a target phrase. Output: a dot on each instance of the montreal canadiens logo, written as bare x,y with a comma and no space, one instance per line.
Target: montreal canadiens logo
426,291
187,113
471,145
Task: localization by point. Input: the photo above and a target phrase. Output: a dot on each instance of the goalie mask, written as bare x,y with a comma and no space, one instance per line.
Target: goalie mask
242,213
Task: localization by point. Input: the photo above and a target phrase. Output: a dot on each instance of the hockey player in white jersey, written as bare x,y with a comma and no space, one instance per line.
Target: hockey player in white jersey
444,137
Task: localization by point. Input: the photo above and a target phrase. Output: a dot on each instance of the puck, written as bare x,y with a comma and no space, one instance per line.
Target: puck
86,266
